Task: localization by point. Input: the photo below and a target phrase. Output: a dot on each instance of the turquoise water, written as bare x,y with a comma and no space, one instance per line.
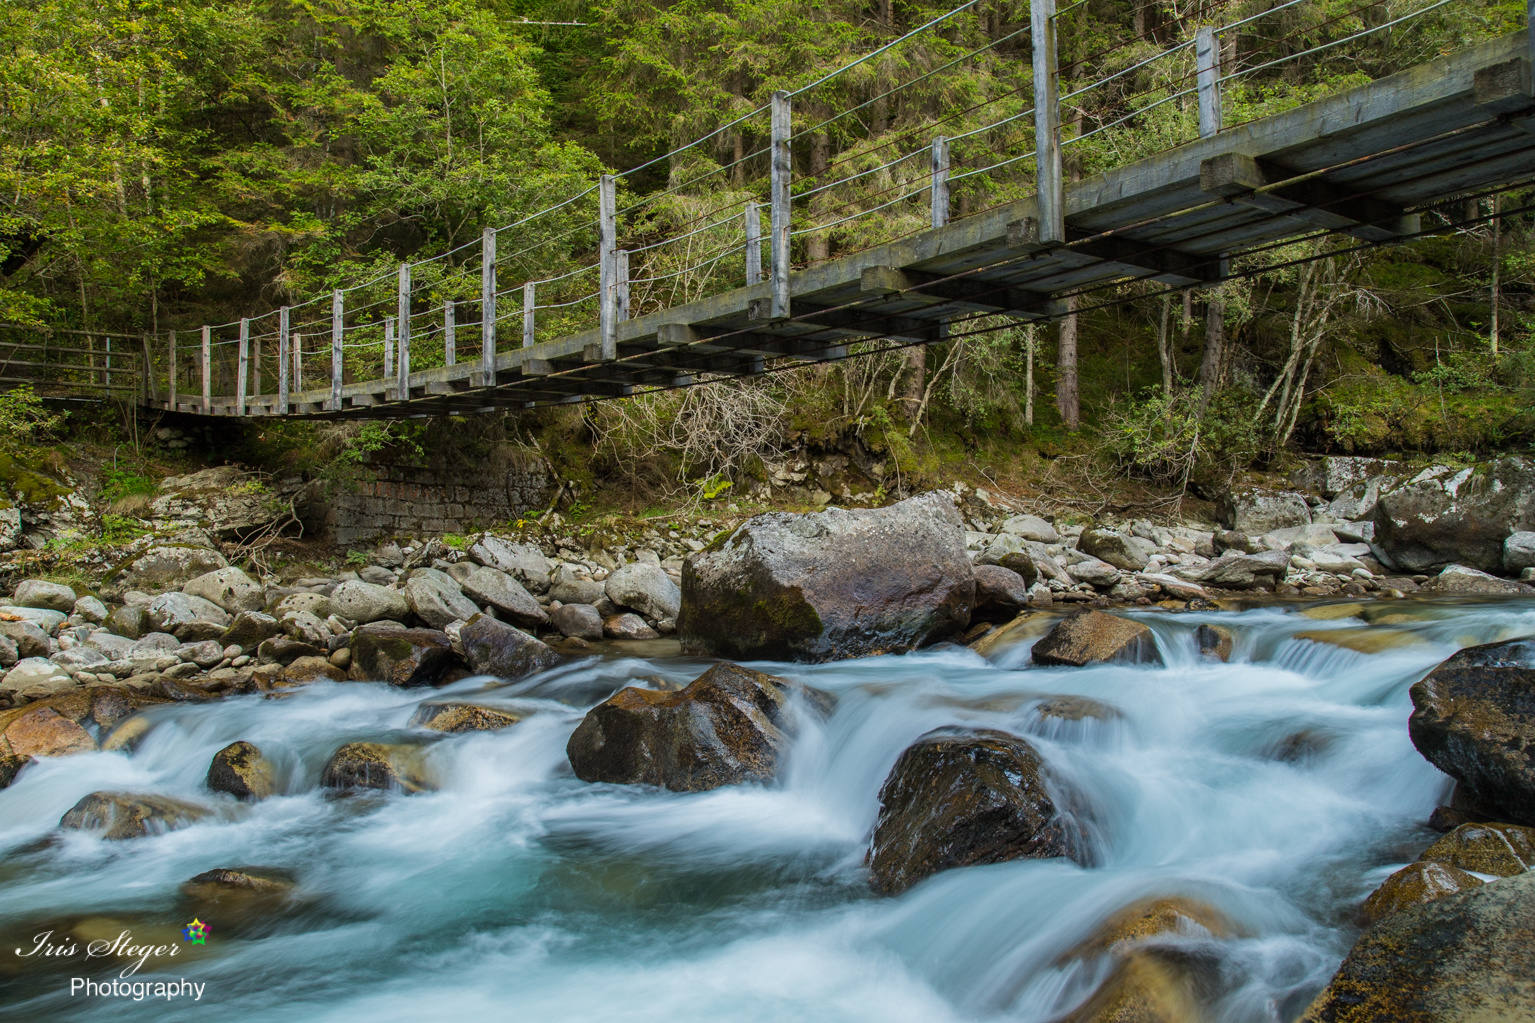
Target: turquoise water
1280,788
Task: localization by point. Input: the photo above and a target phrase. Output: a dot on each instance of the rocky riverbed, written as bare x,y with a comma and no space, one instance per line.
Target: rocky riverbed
1118,771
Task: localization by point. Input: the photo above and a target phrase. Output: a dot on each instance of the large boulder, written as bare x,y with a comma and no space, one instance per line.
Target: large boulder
1123,551
504,593
241,770
729,725
164,568
30,640
1518,552
233,504
832,584
582,621
1474,718
1464,958
496,648
41,593
1031,527
1472,581
525,564
1235,571
34,678
1501,850
957,798
64,723
362,602
1444,516
248,628
437,599
377,765
570,586
1000,594
120,815
1414,885
645,588
1258,510
186,617
454,718
229,588
401,657
1087,637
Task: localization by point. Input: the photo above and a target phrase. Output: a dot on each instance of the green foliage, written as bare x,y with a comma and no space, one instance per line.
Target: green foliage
1174,441
23,418
117,529
456,541
356,558
117,484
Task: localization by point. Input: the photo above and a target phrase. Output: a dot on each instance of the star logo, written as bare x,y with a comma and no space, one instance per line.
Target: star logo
196,932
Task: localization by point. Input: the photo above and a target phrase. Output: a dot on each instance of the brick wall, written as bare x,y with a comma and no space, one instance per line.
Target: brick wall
411,500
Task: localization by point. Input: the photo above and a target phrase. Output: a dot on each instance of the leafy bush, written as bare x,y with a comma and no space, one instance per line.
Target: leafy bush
118,484
1172,441
23,417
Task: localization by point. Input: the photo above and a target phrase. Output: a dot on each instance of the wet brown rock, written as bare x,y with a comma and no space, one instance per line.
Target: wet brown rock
496,648
957,798
727,726
1414,884
1474,718
461,717
1500,849
60,725
627,626
312,669
121,815
1213,642
1087,636
241,770
1151,980
831,584
401,657
235,892
376,765
1029,625
1000,594
1464,958
1076,708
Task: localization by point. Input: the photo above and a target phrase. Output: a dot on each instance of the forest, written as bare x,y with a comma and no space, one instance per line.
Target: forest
169,164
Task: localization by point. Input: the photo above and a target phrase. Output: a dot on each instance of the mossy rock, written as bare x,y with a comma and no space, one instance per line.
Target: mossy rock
1499,849
1415,884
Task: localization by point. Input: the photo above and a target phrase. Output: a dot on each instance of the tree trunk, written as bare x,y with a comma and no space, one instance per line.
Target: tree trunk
1163,352
1140,19
1028,374
1497,238
818,245
1067,397
915,382
1215,341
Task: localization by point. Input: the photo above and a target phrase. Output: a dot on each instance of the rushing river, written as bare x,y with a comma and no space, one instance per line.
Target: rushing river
1280,788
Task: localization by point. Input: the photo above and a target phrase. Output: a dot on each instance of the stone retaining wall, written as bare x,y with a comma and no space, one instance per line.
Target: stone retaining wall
406,500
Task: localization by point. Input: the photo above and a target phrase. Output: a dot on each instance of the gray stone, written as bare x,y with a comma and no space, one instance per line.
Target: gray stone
1128,553
46,619
30,640
10,526
401,657
579,620
41,593
306,628
500,590
229,588
249,628
1519,552
128,620
365,602
90,609
377,575
282,650
495,648
1460,579
204,654
627,626
1099,574
569,587
387,555
79,658
1088,637
1258,510
1444,516
525,564
436,599
645,588
154,644
1031,527
1000,593
831,584
1316,534
9,653
35,677
165,568
189,618
1239,571
317,604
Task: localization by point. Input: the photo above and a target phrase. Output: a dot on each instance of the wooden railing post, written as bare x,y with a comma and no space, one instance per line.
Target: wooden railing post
607,266
940,187
282,361
298,362
1207,58
402,374
337,336
529,314
488,307
754,241
242,373
782,129
171,374
1047,119
449,334
207,360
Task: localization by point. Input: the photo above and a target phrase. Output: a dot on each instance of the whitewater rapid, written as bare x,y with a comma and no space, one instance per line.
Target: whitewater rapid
1280,788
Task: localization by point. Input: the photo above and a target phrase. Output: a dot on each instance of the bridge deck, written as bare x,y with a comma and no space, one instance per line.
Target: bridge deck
1356,163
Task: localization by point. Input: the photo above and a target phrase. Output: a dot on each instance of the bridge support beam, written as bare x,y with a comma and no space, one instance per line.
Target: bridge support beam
449,334
402,372
940,183
207,370
282,361
337,337
1310,201
1047,119
1207,59
244,369
488,307
782,129
983,296
607,268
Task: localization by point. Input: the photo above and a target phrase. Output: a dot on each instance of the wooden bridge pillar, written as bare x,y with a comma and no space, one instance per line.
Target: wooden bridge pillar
529,314
449,334
488,307
1047,120
170,382
621,285
778,274
282,361
337,336
242,374
1207,56
607,267
754,241
402,372
940,185
207,369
